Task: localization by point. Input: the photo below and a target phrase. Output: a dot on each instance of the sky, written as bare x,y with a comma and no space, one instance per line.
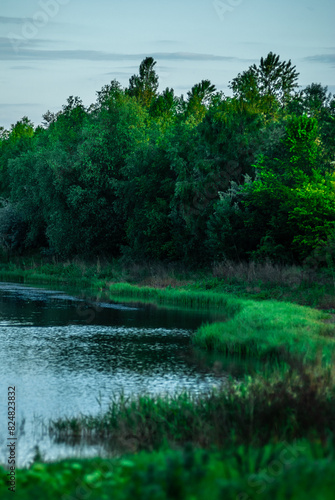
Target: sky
52,49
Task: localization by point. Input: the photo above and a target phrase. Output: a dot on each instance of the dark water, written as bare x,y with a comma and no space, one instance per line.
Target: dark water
67,356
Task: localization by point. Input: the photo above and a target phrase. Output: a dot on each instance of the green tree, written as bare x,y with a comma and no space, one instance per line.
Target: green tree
271,84
286,184
319,103
89,215
13,143
199,99
245,86
316,100
68,125
30,182
67,189
146,196
108,95
145,85
206,158
12,228
312,213
297,153
166,106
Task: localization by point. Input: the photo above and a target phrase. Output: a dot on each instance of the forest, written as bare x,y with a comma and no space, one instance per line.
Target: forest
197,178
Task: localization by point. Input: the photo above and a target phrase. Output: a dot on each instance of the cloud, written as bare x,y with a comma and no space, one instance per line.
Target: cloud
22,67
169,42
14,20
191,56
16,105
12,43
126,70
322,58
14,48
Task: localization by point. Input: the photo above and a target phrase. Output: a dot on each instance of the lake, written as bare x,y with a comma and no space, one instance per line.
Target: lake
67,356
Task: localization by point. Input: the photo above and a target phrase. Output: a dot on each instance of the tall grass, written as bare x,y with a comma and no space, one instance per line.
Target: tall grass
253,328
299,402
267,280
187,298
266,272
265,329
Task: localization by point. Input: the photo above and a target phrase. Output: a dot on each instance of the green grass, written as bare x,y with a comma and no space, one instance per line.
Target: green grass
265,329
313,294
259,281
178,297
285,470
46,274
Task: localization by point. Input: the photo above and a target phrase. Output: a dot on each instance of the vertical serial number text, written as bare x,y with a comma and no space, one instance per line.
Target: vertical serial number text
11,445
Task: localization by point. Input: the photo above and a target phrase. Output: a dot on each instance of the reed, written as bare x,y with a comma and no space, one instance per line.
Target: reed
296,403
186,298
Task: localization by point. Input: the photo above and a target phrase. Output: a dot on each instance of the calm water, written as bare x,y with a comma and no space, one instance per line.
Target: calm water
66,356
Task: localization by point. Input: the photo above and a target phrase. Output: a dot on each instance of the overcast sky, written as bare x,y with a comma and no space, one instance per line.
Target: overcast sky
51,49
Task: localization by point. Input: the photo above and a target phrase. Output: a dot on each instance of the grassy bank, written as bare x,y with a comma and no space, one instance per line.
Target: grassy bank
265,329
258,328
267,438
253,328
296,470
259,281
178,297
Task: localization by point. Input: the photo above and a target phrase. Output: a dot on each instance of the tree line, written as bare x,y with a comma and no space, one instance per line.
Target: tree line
194,178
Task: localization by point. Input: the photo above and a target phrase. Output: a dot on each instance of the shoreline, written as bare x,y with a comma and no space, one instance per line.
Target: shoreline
258,328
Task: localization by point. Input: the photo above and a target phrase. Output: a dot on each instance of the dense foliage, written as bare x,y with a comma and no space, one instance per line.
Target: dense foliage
155,176
295,470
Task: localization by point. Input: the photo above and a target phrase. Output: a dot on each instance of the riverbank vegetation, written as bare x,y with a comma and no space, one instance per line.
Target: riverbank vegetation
257,280
294,402
279,471
198,201
255,328
268,328
264,438
235,433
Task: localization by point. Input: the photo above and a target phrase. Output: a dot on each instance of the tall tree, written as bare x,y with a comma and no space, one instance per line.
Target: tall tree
145,85
12,143
272,81
199,98
275,78
165,106
108,94
316,99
